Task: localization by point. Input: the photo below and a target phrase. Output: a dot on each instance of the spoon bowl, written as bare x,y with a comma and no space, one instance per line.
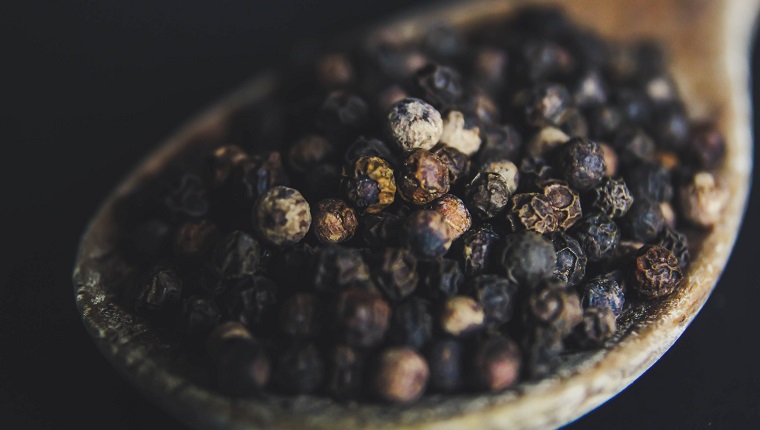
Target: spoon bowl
707,43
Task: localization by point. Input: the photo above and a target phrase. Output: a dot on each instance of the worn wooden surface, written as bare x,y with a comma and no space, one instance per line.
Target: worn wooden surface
707,42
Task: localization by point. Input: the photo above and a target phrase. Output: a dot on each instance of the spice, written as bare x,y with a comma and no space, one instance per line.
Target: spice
553,306
598,236
545,141
644,220
334,221
611,197
249,301
571,260
414,124
194,240
162,291
706,147
461,133
496,364
187,197
309,152
301,316
544,104
457,162
597,326
427,234
368,147
533,212
440,279
656,272
423,177
604,291
411,324
487,195
581,163
394,271
223,161
401,376
362,318
454,212
299,369
344,380
198,317
282,216
461,315
677,243
497,296
499,142
336,268
507,170
224,334
703,200
369,184
242,367
441,85
342,112
527,258
564,201
649,181
445,358
477,249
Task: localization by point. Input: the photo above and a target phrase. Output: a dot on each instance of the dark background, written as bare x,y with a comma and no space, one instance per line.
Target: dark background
91,87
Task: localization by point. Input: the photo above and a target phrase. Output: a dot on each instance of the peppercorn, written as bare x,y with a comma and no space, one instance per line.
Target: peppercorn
368,147
223,162
481,107
499,142
461,315
533,212
199,315
309,152
369,184
342,113
545,141
597,326
444,42
553,306
706,147
598,236
457,163
610,160
381,229
590,89
564,201
496,364
427,234
395,272
301,316
487,194
249,301
573,123
644,221
649,181
255,176
656,272
445,358
334,221
461,133
507,170
671,128
634,145
496,295
400,376
544,104
237,255
362,318
440,85
440,279
527,258
604,121
282,216
533,173
604,291
223,335
414,124
581,163
677,243
149,237
242,368
335,268
390,96
490,67
162,291
702,200
423,178
571,260
633,105
411,324
334,70
289,266
299,369
668,214
344,381
541,348
454,212
611,197
187,197
477,249
194,240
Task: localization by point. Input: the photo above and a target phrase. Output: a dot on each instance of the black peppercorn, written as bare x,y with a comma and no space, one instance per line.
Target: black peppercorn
427,234
671,128
336,268
345,373
309,152
633,145
242,368
545,104
581,163
289,266
457,163
162,291
301,316
342,113
369,184
334,221
554,307
299,369
677,243
461,315
440,85
604,291
414,124
496,296
604,121
381,229
706,148
499,142
367,147
545,60
656,272
187,197
478,249
255,176
411,324
237,255
533,173
440,279
565,203
541,347
590,89
199,315
596,327
649,181
571,260
194,240
423,177
394,271
362,318
249,300
282,216
454,212
527,258
496,364
445,358
487,195
644,220
400,376
611,197
598,236
223,335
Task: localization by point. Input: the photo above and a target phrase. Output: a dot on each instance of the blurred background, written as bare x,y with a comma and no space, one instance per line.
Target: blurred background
91,87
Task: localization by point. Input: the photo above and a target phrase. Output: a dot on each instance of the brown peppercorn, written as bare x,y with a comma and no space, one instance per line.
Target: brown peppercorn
309,152
334,70
597,326
223,333
496,364
223,161
362,318
703,200
461,315
455,214
401,376
415,124
300,316
553,306
706,147
487,194
565,202
460,133
427,234
532,212
282,216
423,178
390,96
478,250
507,170
457,163
334,221
369,184
656,272
545,141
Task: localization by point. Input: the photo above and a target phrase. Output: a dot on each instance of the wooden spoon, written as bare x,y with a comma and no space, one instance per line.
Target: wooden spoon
707,42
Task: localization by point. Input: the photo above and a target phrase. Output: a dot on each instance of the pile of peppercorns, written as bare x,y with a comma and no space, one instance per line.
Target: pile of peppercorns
446,215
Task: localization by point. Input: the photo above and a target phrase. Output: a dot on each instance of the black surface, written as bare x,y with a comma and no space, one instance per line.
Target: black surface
92,86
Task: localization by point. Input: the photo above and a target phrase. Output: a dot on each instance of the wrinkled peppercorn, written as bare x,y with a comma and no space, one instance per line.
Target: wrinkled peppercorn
553,306
644,220
633,145
454,212
441,85
369,184
248,300
527,258
487,195
237,255
364,147
381,229
533,212
581,163
440,279
478,249
496,364
571,260
677,243
499,142
162,291
423,177
415,124
649,181
604,291
299,369
427,234
362,318
461,133
507,170
394,271
565,203
611,197
445,358
282,216
301,316
309,152
703,200
544,105
496,295
188,197
596,327
255,176
401,376
457,162
461,315
598,236
336,268
656,272
334,221
533,173
411,324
